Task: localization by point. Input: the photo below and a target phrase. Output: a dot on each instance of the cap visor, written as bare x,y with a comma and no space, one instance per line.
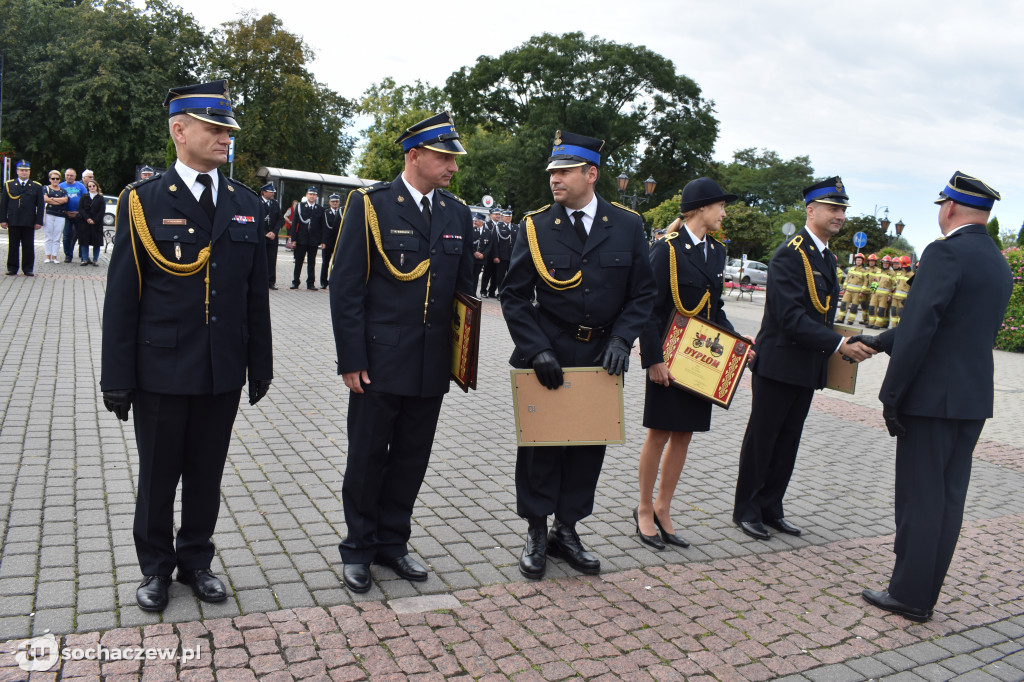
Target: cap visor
835,201
225,121
446,147
565,163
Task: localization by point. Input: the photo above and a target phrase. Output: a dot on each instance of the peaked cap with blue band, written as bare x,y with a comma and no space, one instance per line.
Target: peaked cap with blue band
963,189
437,133
269,187
829,191
23,164
206,101
571,150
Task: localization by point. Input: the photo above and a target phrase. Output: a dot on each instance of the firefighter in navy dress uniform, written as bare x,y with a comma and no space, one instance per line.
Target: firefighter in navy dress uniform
793,346
405,249
939,389
480,244
306,234
330,226
586,263
185,320
501,253
21,214
272,222
688,266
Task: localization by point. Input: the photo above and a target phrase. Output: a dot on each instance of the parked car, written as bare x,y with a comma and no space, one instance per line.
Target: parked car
746,272
111,210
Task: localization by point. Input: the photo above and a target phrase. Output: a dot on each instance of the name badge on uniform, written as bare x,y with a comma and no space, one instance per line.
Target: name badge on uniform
175,221
400,232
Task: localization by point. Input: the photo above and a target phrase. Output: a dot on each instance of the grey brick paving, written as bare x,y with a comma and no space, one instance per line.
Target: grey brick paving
68,467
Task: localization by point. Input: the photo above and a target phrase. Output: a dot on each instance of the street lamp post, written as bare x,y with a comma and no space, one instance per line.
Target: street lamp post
623,183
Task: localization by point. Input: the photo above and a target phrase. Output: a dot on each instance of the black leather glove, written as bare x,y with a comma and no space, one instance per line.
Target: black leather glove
868,340
616,356
257,389
892,421
549,372
118,402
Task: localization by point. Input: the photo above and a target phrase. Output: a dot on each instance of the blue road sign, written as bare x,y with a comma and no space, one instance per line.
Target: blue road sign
860,240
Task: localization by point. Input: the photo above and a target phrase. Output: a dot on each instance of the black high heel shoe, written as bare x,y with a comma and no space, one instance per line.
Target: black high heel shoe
651,540
670,538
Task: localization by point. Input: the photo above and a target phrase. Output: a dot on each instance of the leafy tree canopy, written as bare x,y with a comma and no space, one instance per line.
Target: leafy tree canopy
764,180
654,121
287,118
993,231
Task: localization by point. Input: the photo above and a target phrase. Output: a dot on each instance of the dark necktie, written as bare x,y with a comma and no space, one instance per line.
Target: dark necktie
206,198
426,209
577,224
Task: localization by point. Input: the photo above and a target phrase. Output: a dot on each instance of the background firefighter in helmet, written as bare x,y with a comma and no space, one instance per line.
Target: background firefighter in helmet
869,288
856,279
881,296
901,286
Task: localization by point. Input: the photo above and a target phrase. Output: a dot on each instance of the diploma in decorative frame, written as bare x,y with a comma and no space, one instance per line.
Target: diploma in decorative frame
585,410
704,358
465,340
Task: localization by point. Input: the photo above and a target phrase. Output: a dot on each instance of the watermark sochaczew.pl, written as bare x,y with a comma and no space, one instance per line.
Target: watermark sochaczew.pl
40,654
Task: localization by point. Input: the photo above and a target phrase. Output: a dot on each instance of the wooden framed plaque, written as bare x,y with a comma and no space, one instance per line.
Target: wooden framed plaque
704,358
842,374
585,410
465,340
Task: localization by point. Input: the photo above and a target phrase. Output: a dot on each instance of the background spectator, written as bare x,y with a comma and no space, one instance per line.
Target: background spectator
75,191
91,208
56,200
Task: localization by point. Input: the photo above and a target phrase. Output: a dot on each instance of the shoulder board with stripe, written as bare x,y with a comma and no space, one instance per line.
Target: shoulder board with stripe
539,210
626,208
242,185
670,236
36,183
453,196
374,188
138,183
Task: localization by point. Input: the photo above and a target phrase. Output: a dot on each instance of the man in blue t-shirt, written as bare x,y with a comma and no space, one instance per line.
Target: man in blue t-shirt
75,191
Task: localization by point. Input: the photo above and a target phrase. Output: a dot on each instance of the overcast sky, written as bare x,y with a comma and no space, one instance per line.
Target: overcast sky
892,96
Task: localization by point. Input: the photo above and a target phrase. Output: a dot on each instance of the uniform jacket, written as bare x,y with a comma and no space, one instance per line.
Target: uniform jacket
941,364
21,206
307,224
695,277
795,340
399,331
486,241
501,247
617,288
155,332
329,227
272,220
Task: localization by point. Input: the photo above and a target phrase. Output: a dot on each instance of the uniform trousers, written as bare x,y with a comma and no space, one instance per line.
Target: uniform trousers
478,265
500,270
559,480
180,437
488,281
933,469
272,260
309,254
768,453
22,238
389,442
326,266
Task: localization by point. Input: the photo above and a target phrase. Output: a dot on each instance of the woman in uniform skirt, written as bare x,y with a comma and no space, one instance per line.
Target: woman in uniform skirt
671,414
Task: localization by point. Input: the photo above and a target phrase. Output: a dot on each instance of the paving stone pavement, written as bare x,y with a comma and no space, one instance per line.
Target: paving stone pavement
727,608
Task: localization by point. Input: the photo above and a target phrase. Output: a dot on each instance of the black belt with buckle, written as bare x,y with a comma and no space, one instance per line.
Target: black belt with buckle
579,331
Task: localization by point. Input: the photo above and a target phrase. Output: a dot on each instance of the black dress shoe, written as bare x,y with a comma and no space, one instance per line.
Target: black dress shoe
650,540
783,526
754,529
29,274
205,585
273,288
670,538
406,567
68,259
356,577
533,562
883,600
323,285
294,286
564,543
152,593
12,274
311,287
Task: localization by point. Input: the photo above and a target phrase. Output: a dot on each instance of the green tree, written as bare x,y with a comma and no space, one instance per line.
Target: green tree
654,121
287,118
993,231
750,231
1009,239
393,108
664,213
764,180
99,72
842,244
